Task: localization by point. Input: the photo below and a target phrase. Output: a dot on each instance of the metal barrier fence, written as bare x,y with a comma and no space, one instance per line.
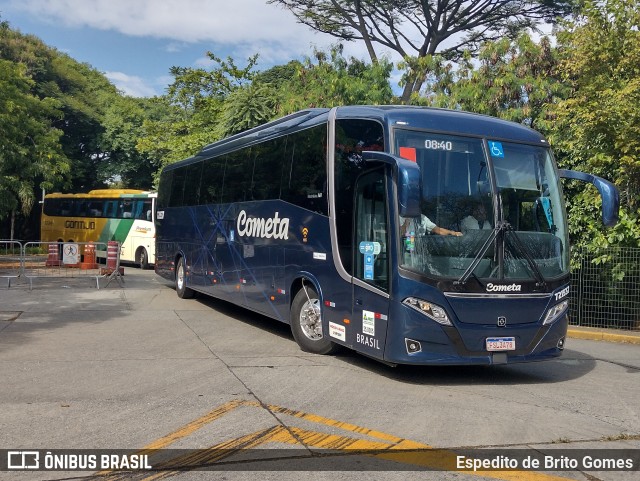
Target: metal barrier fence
60,260
10,260
605,289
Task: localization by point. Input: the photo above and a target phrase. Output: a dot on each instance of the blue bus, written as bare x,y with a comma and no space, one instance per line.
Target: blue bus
411,235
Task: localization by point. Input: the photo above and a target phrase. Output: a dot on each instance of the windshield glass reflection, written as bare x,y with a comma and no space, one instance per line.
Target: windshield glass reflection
518,233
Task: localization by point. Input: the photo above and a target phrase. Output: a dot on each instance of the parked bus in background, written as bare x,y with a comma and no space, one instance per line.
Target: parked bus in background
123,215
346,223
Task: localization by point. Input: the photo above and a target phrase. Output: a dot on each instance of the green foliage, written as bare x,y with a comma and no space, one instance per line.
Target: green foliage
514,80
193,113
248,107
597,129
203,106
122,161
30,155
419,28
329,80
82,96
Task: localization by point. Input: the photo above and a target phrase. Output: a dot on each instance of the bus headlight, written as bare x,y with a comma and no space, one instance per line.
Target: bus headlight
555,312
430,310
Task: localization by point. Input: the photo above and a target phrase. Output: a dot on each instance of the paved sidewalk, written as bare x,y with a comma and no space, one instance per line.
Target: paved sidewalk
599,334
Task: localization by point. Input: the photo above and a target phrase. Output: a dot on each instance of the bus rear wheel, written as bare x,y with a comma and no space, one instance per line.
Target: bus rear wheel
181,281
142,258
306,323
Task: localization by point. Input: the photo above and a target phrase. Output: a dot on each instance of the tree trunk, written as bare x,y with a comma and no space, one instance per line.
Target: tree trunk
13,223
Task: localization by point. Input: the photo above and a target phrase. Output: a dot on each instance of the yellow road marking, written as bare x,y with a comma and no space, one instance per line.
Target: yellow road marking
220,451
394,446
333,423
192,427
180,433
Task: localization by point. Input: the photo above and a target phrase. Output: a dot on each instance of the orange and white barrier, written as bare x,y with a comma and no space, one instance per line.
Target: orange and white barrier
89,259
53,258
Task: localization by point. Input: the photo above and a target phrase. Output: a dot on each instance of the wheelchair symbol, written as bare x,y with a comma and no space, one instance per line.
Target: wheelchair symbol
496,149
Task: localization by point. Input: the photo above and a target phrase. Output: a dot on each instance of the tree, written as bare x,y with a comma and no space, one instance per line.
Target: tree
192,111
329,79
597,129
122,162
419,28
82,94
512,79
30,153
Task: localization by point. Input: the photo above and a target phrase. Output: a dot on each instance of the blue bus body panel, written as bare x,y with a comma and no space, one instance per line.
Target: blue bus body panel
248,270
474,320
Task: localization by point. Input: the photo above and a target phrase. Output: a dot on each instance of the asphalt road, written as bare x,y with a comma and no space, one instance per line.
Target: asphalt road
137,368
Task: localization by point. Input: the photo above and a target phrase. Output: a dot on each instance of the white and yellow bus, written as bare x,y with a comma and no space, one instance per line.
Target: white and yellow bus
123,215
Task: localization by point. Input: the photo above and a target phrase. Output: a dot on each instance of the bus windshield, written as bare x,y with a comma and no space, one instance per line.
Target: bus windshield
505,199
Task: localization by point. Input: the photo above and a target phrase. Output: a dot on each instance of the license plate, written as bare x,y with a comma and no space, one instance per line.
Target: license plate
501,343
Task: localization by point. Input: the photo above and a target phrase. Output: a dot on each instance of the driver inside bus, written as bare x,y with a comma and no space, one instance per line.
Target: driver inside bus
477,220
424,226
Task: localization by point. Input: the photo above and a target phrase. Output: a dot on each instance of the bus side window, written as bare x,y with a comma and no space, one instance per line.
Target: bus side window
352,137
145,209
305,176
95,209
267,169
212,179
236,185
124,210
65,207
164,189
192,181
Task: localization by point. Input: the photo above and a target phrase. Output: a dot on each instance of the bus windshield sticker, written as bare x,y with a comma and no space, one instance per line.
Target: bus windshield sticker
160,215
321,256
496,149
368,266
370,248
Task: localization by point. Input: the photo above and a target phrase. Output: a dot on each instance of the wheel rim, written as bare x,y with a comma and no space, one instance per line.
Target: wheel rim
141,259
310,320
180,276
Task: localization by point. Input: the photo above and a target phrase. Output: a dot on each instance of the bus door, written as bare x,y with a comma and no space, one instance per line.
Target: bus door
371,262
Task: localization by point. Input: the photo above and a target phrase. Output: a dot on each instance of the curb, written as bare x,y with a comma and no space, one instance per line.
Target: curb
594,334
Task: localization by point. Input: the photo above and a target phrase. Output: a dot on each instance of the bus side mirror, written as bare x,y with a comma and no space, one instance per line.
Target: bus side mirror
409,181
608,192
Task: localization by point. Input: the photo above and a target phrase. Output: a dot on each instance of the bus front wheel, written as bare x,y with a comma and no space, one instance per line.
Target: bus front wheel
306,323
181,281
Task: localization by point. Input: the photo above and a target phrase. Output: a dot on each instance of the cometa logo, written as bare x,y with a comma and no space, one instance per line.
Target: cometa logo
504,288
274,227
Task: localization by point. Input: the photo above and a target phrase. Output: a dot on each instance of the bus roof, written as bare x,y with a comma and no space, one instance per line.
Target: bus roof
433,119
102,193
445,121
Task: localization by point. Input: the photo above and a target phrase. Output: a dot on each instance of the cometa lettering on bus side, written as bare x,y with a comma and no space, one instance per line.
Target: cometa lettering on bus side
273,227
503,287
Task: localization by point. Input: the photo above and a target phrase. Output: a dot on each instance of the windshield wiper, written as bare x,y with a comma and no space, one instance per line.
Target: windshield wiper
476,260
502,228
524,251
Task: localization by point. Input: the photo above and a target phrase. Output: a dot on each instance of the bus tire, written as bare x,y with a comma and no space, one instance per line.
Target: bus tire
306,323
181,281
142,258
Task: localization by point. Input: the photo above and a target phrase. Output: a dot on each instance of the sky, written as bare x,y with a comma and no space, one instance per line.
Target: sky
136,42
